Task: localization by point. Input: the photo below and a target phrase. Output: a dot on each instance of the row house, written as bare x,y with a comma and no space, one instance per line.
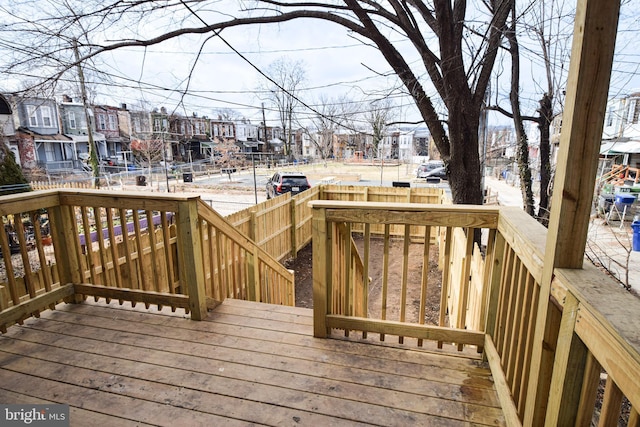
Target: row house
351,144
107,124
621,131
73,120
38,135
247,137
273,138
7,128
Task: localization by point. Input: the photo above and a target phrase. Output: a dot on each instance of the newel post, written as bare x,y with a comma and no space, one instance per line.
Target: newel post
65,245
582,123
190,258
321,271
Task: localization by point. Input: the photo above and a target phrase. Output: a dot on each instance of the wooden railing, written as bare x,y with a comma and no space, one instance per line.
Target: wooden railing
489,302
167,250
336,296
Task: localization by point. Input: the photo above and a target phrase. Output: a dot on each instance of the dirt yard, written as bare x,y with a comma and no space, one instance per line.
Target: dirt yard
302,265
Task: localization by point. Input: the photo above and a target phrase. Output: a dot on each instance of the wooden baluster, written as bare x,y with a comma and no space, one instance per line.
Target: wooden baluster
97,216
88,245
385,275
425,278
365,272
445,279
113,243
153,244
405,274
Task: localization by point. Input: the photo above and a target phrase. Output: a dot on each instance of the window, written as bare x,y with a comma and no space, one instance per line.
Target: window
102,122
634,110
72,120
136,124
47,120
33,118
113,122
610,117
49,152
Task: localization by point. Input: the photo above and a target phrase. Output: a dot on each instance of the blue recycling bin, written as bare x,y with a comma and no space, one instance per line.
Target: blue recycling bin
636,235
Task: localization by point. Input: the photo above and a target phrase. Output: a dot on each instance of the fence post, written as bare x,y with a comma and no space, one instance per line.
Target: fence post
294,241
190,256
321,272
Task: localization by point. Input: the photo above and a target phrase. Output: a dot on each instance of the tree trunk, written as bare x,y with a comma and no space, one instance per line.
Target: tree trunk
521,136
544,123
463,162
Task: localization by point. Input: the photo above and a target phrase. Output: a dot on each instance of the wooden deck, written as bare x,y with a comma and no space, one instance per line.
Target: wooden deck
246,364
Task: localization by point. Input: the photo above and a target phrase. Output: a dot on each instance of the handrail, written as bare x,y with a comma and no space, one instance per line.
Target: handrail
267,281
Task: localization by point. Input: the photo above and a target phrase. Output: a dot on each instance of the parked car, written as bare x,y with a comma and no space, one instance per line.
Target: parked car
285,182
425,168
440,172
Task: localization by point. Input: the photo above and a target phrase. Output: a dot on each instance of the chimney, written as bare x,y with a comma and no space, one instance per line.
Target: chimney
123,106
66,98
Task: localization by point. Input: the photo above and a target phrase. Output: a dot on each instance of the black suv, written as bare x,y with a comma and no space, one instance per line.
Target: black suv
285,182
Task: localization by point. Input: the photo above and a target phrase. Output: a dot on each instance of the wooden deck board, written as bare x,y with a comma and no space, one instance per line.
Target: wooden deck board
164,369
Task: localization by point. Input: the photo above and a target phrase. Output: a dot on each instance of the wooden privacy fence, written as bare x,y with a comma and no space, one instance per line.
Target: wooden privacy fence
282,226
166,250
591,338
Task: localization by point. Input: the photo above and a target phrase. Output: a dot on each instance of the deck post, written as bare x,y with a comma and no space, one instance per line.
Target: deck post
592,50
62,221
568,370
190,257
321,272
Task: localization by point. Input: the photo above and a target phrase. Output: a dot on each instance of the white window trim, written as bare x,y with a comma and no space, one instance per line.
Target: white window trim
33,115
45,112
72,120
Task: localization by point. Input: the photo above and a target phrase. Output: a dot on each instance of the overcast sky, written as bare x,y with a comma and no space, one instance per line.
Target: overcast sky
335,63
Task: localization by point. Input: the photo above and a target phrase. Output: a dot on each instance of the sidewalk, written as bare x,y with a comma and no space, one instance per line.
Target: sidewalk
608,245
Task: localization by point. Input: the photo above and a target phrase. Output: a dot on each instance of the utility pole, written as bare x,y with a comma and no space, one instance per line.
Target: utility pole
93,157
264,126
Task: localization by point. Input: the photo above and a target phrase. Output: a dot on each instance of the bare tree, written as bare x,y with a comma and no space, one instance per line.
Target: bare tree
521,135
377,114
228,157
546,25
286,78
330,115
457,59
228,114
148,151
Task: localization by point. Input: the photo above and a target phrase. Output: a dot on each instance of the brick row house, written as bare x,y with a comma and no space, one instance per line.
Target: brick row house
53,137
